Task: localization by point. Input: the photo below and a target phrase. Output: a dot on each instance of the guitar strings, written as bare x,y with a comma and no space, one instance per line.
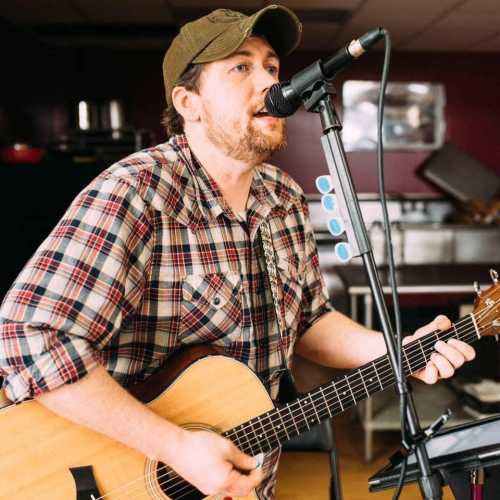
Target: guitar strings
321,410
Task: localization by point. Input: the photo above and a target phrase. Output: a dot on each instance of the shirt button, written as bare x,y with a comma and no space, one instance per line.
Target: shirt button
216,300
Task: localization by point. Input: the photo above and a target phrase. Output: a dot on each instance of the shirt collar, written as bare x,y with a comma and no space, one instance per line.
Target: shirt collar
261,199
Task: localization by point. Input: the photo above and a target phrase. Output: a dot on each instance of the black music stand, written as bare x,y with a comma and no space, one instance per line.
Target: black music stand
455,452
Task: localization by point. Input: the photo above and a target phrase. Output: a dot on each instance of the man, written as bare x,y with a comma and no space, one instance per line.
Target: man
163,250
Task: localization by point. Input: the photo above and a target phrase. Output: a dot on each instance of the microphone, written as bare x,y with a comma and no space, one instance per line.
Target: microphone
283,99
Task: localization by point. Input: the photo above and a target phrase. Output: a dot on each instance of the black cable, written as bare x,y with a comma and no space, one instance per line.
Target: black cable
399,486
388,238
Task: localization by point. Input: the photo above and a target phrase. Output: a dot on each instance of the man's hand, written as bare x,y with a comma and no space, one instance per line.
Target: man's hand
450,355
215,465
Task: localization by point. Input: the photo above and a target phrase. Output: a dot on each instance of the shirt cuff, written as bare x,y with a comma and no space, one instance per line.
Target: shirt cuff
50,370
325,308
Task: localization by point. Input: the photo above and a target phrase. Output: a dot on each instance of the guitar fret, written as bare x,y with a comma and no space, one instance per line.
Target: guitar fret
283,424
363,380
455,330
257,437
422,349
278,440
350,389
314,408
305,418
406,359
245,435
338,396
264,433
371,380
236,440
378,377
293,419
326,402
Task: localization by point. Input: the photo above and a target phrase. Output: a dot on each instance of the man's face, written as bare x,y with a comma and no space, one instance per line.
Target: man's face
233,91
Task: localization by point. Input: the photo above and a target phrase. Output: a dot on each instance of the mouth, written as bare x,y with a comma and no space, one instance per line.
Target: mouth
262,112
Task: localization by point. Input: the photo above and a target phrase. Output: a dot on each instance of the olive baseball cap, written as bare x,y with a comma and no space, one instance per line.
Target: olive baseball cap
220,33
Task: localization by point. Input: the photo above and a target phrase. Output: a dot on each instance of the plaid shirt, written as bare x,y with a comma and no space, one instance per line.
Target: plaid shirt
149,258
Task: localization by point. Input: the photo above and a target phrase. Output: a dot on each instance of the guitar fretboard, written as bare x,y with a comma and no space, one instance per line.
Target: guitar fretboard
265,432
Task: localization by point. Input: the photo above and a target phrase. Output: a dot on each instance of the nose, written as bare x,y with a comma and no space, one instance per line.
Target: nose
264,80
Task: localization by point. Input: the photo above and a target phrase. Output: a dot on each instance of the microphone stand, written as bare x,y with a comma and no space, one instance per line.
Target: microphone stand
321,101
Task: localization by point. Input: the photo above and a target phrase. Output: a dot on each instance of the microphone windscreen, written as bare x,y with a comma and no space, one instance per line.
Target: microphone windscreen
276,104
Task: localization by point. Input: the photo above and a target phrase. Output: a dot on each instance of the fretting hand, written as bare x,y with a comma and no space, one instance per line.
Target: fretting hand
449,355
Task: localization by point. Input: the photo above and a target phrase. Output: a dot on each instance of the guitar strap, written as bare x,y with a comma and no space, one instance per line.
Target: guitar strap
287,390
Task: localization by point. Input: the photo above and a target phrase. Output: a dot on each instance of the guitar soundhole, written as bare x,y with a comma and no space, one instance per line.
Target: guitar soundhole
172,485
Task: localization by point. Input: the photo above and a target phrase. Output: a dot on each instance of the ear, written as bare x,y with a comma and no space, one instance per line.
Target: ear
187,103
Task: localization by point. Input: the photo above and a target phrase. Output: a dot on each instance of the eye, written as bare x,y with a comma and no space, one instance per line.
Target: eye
241,68
273,70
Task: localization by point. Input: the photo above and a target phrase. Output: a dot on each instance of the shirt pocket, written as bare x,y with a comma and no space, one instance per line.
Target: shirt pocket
211,309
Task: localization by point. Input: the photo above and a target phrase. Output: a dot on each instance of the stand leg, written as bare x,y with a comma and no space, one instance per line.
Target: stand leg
368,415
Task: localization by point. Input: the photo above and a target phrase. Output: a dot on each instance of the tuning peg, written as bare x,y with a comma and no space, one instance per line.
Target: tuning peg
477,289
494,276
497,338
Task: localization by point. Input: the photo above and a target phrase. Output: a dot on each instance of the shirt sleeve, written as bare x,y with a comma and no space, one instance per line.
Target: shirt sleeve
75,292
315,300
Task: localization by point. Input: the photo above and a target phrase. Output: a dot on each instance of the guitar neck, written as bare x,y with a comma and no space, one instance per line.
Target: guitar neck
277,426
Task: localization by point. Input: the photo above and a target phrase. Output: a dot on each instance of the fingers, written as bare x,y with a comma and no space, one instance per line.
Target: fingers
240,460
239,484
440,322
444,367
429,374
449,355
467,351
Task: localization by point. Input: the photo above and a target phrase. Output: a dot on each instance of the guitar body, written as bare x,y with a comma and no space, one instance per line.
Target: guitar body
38,448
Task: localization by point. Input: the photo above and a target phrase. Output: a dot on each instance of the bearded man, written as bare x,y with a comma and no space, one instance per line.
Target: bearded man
163,250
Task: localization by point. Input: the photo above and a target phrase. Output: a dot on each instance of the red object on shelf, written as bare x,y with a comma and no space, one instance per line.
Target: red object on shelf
21,153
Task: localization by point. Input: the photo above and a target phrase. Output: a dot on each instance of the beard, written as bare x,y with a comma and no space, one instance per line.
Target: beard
250,145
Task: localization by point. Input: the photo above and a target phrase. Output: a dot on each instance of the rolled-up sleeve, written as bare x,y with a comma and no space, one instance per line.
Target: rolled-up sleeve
315,301
76,291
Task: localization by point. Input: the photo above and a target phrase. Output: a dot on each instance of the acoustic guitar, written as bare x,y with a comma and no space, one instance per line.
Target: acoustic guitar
44,456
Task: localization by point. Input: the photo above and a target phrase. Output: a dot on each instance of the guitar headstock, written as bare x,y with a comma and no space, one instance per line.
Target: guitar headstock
487,308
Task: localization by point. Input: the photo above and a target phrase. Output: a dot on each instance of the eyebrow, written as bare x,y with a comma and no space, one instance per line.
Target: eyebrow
270,54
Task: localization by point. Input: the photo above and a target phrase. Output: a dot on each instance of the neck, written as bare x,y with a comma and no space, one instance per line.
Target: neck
280,424
233,177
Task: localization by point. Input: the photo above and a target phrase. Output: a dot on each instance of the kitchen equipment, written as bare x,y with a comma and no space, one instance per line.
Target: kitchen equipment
462,176
21,153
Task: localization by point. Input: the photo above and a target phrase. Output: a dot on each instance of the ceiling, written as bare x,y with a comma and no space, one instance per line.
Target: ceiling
415,25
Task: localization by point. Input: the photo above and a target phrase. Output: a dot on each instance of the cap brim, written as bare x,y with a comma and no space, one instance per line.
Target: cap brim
280,26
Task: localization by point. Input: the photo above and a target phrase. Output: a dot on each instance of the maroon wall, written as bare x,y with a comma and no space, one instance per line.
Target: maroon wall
472,85
40,85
